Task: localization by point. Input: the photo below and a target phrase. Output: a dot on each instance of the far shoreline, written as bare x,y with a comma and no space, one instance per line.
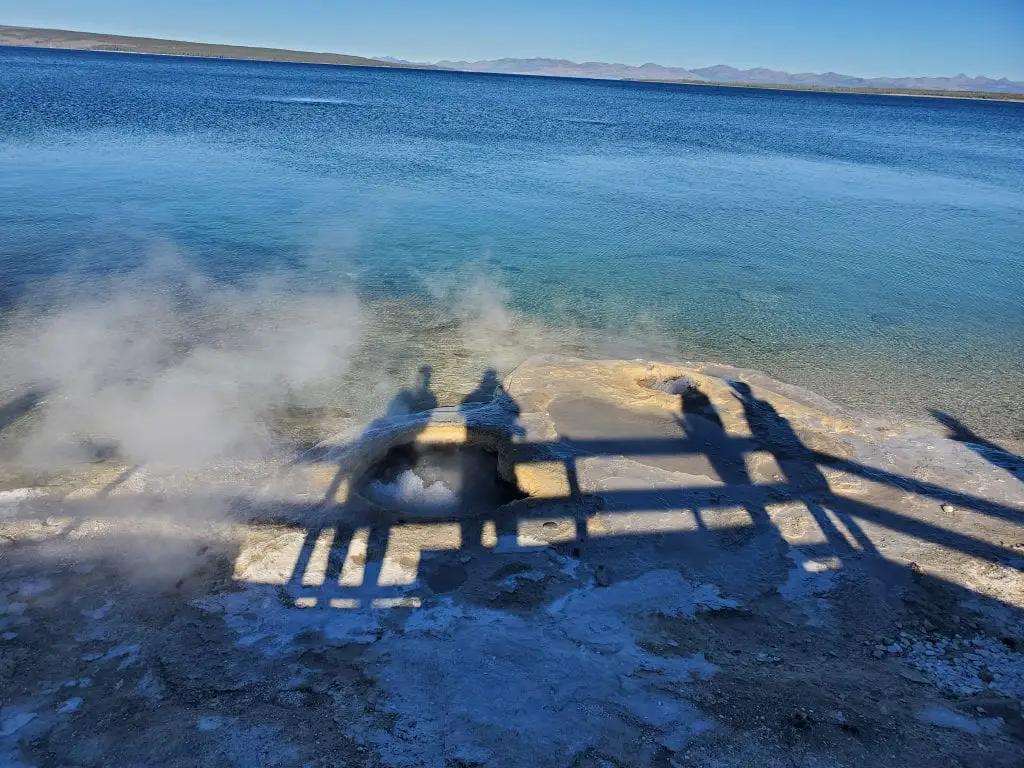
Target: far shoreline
93,42
963,95
1010,98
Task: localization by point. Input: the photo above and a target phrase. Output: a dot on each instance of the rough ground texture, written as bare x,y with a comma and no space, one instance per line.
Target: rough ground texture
612,564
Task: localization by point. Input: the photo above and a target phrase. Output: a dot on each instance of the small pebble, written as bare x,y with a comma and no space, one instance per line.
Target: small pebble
800,719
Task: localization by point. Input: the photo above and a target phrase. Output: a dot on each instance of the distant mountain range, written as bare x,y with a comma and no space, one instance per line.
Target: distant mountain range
721,73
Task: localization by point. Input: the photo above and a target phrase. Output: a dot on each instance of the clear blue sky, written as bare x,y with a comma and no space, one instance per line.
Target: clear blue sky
859,37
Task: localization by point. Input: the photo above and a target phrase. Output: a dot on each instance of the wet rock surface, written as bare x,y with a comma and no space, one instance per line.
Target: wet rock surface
713,569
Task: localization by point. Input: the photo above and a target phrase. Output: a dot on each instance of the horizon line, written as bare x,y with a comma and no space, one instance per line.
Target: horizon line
387,58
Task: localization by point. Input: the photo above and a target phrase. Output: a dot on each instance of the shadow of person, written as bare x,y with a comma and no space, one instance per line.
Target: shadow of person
409,411
693,402
418,399
486,391
415,399
991,452
773,432
480,475
410,401
703,426
491,390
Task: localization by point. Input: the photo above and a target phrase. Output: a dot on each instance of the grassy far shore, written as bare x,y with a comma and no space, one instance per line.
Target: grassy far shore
30,37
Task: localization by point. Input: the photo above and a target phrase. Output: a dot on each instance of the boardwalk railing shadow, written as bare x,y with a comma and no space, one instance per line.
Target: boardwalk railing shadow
361,553
448,482
995,454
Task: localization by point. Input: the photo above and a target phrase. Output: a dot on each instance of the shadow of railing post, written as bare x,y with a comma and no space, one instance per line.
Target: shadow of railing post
803,481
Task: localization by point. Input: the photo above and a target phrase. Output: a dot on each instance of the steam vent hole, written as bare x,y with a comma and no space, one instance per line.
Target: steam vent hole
420,481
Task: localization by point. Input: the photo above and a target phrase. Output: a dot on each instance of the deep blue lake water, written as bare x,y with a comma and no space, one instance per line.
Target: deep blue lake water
869,247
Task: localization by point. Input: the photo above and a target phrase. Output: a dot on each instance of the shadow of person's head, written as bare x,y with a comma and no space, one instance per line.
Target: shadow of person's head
486,389
489,385
955,429
742,390
423,377
414,399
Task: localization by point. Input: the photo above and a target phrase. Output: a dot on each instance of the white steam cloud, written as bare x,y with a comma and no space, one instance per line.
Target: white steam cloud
166,369
172,369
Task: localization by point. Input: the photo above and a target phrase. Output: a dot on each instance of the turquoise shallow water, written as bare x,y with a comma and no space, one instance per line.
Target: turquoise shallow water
871,248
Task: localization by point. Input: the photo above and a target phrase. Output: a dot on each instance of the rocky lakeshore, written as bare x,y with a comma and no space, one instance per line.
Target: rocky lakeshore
589,563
